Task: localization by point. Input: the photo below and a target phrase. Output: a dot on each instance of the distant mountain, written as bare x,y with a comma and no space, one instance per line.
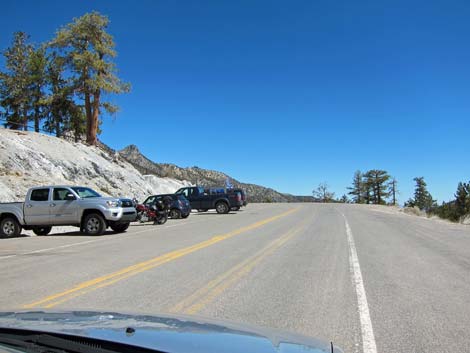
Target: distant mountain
204,177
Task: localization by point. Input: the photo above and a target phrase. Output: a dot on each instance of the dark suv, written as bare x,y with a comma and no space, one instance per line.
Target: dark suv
230,191
179,208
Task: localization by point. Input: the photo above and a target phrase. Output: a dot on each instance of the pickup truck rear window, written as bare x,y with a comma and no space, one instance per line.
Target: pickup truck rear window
39,195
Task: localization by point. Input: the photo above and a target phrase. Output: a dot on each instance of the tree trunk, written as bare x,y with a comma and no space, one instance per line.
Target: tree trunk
36,118
94,119
379,198
57,126
25,120
89,118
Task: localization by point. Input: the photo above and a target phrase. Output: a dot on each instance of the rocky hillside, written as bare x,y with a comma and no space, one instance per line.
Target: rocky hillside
203,177
29,159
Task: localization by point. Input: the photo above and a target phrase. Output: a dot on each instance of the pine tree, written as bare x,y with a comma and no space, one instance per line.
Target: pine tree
64,114
357,188
14,83
422,198
36,84
462,199
89,50
322,193
367,189
393,191
376,183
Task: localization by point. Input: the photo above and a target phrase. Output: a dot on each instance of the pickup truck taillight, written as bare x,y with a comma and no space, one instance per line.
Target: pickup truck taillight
239,197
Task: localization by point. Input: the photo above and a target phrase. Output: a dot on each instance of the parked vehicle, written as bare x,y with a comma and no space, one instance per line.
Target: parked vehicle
179,207
203,200
155,211
49,206
231,190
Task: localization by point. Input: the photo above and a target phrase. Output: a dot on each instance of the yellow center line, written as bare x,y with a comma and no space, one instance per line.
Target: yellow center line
199,299
106,280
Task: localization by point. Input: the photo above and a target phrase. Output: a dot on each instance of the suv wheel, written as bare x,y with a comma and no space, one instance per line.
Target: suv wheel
9,227
222,207
94,224
42,230
175,213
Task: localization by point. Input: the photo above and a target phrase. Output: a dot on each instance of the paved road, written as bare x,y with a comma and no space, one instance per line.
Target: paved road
369,280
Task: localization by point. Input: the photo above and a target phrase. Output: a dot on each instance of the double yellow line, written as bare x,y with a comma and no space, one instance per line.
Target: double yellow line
106,280
199,299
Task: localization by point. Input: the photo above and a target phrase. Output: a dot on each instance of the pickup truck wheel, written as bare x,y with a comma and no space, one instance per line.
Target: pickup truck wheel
120,227
185,215
9,227
42,230
94,224
175,213
222,207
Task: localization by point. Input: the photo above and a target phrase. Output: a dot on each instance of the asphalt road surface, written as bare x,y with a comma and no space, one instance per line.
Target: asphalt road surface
369,280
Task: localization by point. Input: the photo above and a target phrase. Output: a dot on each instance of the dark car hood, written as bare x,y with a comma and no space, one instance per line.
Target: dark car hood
175,334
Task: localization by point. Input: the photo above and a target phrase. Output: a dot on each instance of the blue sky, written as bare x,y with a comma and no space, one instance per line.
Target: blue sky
286,94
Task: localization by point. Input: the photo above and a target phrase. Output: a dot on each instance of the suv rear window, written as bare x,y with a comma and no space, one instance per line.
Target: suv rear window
39,195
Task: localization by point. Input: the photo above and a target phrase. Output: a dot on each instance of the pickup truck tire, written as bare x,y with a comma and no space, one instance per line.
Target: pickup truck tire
94,224
9,227
185,216
42,230
175,213
222,207
120,227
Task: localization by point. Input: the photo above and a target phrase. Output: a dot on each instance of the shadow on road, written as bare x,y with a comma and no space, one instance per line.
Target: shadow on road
17,236
78,234
213,214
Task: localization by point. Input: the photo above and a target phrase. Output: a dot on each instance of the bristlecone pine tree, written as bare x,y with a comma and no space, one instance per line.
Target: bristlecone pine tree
89,50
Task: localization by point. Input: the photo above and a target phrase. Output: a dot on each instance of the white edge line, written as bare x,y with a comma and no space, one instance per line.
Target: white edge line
368,339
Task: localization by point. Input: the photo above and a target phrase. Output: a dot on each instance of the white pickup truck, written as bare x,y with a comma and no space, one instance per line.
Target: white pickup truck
60,205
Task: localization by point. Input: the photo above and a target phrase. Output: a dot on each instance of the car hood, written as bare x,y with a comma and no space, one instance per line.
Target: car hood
175,334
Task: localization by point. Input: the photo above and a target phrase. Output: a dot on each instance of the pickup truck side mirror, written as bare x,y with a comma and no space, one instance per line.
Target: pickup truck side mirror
69,197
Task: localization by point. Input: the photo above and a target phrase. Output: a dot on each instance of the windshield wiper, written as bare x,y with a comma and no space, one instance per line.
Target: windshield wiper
49,342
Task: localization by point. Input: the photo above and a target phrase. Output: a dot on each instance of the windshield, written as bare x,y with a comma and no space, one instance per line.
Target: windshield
85,193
